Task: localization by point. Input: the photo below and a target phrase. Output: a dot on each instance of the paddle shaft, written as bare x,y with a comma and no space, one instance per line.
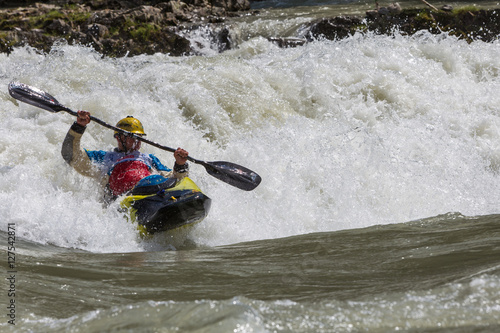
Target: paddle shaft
140,138
231,173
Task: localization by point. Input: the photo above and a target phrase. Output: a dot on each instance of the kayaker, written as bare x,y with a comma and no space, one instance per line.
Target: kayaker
120,169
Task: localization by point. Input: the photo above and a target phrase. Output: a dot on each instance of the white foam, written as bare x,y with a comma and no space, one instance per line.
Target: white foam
345,134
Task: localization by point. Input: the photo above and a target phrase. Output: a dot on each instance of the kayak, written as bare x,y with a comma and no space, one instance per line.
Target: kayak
160,204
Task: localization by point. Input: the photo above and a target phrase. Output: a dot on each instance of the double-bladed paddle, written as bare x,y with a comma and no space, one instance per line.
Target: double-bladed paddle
228,172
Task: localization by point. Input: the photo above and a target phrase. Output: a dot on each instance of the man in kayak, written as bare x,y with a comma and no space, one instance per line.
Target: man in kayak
120,169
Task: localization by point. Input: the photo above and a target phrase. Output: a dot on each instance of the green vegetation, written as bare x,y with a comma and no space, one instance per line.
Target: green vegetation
136,30
42,21
53,15
70,7
144,31
9,22
39,22
79,17
424,16
465,9
3,36
121,28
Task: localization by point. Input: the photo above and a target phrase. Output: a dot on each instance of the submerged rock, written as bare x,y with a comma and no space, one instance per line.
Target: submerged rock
333,28
287,41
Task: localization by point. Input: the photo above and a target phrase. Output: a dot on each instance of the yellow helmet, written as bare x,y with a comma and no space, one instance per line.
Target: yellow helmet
131,124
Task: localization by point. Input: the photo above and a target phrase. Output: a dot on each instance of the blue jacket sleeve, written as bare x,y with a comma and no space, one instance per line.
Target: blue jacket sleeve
96,156
157,164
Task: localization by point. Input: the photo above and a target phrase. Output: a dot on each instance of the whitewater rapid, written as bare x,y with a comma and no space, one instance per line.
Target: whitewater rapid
346,134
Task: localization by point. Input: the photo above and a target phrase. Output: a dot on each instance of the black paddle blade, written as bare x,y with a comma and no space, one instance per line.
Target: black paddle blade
233,174
35,97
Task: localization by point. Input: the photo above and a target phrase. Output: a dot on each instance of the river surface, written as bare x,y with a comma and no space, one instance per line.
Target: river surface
379,208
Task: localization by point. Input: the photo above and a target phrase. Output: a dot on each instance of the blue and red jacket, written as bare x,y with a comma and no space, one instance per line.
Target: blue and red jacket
117,171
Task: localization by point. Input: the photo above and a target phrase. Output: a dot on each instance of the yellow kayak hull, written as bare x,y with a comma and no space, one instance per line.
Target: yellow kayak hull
171,204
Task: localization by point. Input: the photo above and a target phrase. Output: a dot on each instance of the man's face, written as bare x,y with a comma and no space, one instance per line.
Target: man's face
127,143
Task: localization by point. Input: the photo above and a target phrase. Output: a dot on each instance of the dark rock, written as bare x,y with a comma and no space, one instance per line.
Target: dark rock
114,27
222,39
97,30
394,8
287,41
132,27
470,25
333,28
59,26
447,8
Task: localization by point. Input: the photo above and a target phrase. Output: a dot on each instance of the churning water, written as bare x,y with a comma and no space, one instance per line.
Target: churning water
380,160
